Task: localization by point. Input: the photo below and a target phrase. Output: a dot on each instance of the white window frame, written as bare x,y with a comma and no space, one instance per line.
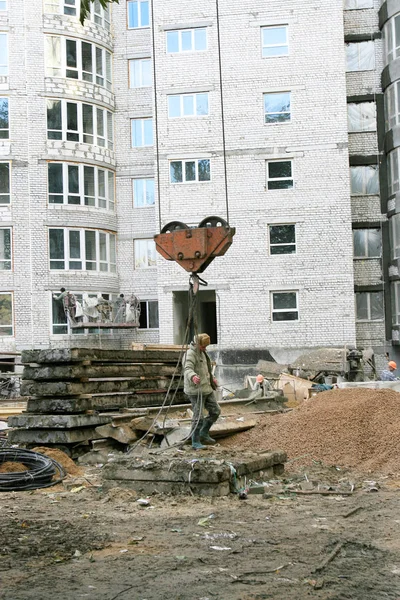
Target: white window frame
359,66
144,310
264,47
140,142
144,253
392,46
139,81
282,112
101,16
3,5
4,54
366,122
56,62
367,233
179,33
282,245
275,179
284,310
182,98
5,197
392,105
393,162
140,15
358,4
5,131
365,179
395,299
144,181
395,235
102,119
106,202
6,263
102,265
188,181
3,327
369,318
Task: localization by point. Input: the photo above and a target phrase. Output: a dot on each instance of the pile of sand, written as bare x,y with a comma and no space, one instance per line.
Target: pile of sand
354,427
12,467
59,456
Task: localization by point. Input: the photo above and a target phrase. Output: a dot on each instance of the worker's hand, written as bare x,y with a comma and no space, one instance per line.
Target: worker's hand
215,382
196,379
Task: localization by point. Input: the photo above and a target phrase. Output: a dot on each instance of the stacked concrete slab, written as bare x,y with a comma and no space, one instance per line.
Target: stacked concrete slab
68,388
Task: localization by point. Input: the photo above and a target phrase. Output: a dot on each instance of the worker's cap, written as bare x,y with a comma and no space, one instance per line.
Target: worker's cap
203,339
260,378
392,364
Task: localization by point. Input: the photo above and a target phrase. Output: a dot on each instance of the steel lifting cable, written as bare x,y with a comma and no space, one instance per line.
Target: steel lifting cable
40,474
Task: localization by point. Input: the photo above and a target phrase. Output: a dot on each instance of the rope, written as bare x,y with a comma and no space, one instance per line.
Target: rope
40,473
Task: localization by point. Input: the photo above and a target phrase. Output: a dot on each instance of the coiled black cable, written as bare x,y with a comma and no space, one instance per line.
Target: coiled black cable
40,473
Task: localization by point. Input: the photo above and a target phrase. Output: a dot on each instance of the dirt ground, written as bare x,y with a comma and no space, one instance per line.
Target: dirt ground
76,541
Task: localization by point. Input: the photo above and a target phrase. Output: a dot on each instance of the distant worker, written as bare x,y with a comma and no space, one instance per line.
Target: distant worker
69,304
388,374
199,386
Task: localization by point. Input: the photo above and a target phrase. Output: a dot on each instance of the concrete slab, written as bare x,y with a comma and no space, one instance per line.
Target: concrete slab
52,436
29,421
71,355
66,372
70,388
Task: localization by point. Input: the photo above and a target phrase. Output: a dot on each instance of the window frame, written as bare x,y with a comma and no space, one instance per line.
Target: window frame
284,26
4,67
145,310
368,233
362,118
4,261
106,202
145,204
140,264
131,73
142,121
359,68
184,162
5,194
182,115
393,163
395,302
369,318
3,3
11,325
140,15
6,130
288,112
271,179
83,258
365,180
179,33
392,48
271,246
286,310
346,7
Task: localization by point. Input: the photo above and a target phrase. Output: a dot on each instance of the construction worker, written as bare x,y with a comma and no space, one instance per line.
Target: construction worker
388,374
199,386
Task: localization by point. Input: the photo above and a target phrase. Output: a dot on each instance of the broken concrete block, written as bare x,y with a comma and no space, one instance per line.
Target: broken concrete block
180,435
158,427
121,433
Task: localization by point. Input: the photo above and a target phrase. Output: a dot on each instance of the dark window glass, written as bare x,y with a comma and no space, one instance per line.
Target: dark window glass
176,172
55,175
54,122
204,170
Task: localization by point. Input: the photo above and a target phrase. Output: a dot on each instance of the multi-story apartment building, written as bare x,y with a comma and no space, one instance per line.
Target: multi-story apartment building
281,118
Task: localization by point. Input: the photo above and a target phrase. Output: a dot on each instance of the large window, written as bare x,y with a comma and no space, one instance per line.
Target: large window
80,184
6,314
149,315
78,122
4,122
82,249
145,254
3,5
3,55
5,249
76,59
143,192
360,56
65,7
186,171
391,34
392,105
138,14
282,239
361,116
279,175
354,4
284,306
367,243
369,306
364,180
142,132
274,41
277,107
140,73
59,323
395,234
187,40
188,105
395,297
393,172
4,183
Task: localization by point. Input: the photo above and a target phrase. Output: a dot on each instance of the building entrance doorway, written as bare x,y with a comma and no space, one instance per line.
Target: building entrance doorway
206,315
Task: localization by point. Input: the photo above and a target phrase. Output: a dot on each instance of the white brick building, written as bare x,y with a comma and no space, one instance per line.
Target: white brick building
176,111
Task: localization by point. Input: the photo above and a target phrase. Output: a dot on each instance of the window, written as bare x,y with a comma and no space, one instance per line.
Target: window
4,124
284,306
364,180
145,254
80,184
277,107
82,249
143,192
395,235
367,243
393,172
188,105
149,315
392,105
274,41
100,15
391,34
6,314
138,14
185,171
360,56
369,306
395,297
361,117
187,40
5,249
3,5
279,175
140,73
142,132
77,122
4,183
354,4
282,239
60,325
3,55
66,7
76,59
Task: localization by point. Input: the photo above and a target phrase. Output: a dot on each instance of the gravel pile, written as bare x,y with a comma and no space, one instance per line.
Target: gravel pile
358,428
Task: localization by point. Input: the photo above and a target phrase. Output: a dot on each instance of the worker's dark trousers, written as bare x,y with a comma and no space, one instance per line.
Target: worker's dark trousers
209,402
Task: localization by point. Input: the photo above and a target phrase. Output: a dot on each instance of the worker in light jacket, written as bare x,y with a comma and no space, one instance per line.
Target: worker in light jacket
199,386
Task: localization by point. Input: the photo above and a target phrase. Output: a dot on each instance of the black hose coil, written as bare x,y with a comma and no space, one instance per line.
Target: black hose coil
40,473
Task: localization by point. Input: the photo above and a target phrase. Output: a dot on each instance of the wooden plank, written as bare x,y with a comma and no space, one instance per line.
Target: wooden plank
68,372
76,355
68,388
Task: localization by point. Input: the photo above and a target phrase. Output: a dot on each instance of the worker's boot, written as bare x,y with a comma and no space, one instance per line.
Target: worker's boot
196,444
204,433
